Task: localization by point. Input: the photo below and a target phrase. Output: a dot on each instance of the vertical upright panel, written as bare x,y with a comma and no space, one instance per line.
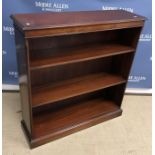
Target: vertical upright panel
22,61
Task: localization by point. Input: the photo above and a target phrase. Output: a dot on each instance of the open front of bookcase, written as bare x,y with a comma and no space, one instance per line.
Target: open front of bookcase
79,79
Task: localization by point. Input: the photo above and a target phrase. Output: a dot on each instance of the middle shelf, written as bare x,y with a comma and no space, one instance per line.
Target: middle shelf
55,57
73,87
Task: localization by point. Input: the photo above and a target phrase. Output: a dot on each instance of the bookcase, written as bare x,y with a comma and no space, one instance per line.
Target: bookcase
73,69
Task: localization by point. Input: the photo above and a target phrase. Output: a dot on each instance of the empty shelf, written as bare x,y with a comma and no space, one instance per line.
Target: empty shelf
77,54
73,87
74,116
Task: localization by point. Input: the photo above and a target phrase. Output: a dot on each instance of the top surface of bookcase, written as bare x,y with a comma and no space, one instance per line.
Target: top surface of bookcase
53,20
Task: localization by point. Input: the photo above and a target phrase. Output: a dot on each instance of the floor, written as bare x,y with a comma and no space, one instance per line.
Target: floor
129,134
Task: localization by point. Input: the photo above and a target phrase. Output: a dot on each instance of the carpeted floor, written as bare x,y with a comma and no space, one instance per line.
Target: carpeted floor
129,134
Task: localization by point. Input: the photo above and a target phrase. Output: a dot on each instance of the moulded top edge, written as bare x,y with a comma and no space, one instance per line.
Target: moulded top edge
34,21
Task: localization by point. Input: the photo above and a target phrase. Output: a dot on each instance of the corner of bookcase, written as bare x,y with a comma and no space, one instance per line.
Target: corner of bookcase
27,134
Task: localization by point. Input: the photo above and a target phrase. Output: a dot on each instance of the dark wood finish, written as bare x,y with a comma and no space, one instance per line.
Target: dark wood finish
71,40
81,29
71,123
56,74
79,54
70,19
74,87
24,80
73,69
71,116
48,24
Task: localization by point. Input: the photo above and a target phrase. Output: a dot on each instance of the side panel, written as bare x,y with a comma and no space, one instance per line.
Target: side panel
22,63
125,62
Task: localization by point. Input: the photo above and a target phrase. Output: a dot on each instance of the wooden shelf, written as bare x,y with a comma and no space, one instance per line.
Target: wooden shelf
74,87
77,54
56,122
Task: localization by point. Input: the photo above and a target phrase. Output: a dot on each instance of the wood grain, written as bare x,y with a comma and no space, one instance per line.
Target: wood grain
74,87
71,116
78,54
51,24
69,19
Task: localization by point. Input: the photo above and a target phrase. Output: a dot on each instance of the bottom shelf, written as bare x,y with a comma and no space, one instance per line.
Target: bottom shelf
74,117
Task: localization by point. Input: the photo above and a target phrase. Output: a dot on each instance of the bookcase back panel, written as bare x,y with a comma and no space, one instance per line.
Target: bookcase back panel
119,64
61,42
66,102
89,105
129,36
52,46
113,93
55,74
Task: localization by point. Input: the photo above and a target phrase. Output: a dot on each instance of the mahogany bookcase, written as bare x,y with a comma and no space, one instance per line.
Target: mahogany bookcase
73,69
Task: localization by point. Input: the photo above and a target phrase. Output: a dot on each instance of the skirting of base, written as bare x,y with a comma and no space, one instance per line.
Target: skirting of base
53,136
